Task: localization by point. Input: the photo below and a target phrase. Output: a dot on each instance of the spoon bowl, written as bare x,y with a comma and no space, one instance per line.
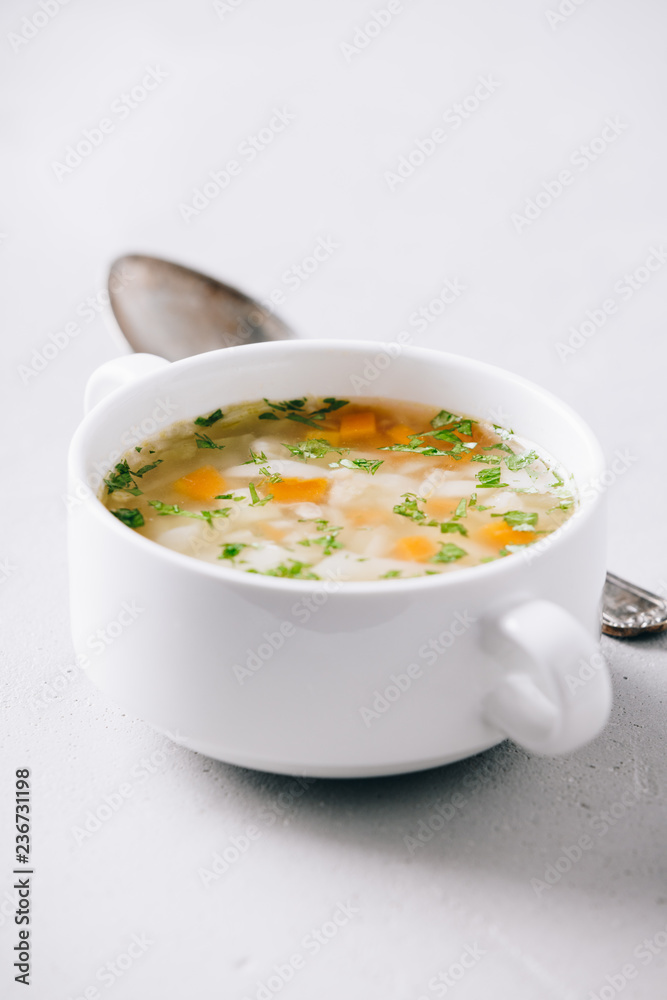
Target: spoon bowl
172,311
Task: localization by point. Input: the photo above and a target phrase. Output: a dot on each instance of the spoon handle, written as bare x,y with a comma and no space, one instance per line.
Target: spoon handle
628,610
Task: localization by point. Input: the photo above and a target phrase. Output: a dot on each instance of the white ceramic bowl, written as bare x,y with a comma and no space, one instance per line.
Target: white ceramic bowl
337,679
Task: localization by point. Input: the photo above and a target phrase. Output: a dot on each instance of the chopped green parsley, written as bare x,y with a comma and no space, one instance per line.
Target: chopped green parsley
122,478
419,448
271,477
147,468
516,462
292,570
448,526
204,441
315,448
130,516
410,507
256,459
519,520
211,419
365,464
232,549
203,515
328,540
443,418
489,479
448,553
256,502
291,409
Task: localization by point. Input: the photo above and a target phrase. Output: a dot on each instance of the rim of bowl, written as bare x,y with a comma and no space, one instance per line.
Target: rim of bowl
86,429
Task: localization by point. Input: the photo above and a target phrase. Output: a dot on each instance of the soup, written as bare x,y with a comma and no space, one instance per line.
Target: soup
325,488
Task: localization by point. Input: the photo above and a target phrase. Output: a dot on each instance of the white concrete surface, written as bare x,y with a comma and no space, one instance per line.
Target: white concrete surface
470,887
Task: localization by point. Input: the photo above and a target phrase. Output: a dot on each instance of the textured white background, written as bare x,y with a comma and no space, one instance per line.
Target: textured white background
325,176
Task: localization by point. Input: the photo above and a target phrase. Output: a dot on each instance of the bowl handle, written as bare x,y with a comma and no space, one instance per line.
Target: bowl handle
118,372
552,692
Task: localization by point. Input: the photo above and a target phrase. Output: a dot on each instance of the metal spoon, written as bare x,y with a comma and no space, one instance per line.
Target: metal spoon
629,610
170,310
175,312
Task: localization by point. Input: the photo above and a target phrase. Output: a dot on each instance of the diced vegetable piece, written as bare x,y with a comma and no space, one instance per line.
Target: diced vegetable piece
299,490
400,434
271,531
355,426
201,484
415,547
440,507
497,534
333,437
363,516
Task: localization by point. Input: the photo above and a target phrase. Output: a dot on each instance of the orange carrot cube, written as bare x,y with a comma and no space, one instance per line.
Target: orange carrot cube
400,434
497,534
269,530
298,490
333,437
364,516
415,548
201,484
355,426
441,507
